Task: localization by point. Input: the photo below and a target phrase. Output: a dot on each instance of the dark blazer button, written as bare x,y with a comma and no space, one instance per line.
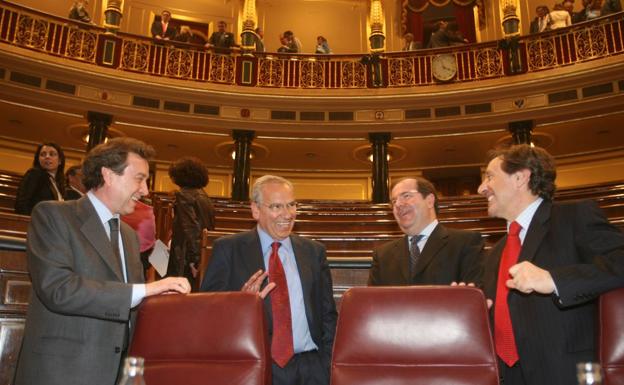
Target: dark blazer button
117,349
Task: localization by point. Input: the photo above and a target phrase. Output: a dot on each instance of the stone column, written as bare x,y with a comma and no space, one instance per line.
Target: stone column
242,164
98,128
521,131
381,180
112,15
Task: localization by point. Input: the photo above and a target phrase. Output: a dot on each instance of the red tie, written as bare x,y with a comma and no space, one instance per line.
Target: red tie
503,331
282,342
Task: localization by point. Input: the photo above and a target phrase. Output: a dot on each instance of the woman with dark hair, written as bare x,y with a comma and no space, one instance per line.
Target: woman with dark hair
45,181
192,212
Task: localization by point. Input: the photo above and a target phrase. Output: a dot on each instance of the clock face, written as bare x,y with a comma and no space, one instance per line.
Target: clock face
444,67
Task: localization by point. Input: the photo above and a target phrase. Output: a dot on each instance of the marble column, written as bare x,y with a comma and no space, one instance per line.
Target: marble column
381,180
242,164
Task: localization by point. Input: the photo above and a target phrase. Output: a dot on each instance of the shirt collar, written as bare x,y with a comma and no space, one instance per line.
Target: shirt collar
100,208
525,217
266,240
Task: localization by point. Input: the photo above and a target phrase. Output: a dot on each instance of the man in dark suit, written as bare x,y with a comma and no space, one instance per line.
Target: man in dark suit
86,275
221,40
444,255
75,189
300,306
546,274
162,29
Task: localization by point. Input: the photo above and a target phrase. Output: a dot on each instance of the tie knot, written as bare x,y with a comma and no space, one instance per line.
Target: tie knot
113,223
275,246
514,228
415,239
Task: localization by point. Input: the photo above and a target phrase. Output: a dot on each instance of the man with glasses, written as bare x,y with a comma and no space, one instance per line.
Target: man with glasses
429,253
298,296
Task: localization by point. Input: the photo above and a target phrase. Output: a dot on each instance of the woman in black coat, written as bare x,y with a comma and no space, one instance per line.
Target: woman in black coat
44,181
193,212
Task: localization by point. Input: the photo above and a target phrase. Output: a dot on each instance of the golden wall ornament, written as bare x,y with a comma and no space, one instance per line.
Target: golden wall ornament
179,63
134,56
270,72
81,45
401,71
222,69
31,32
590,43
541,54
488,63
312,74
352,74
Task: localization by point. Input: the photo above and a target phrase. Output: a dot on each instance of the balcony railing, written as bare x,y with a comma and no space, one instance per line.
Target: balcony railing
36,31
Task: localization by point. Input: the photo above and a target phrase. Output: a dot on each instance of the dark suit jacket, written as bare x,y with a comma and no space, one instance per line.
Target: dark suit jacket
71,194
157,29
77,320
222,40
449,255
236,257
35,187
585,256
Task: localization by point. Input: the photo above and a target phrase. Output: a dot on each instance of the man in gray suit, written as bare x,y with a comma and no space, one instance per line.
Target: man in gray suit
300,283
429,253
86,274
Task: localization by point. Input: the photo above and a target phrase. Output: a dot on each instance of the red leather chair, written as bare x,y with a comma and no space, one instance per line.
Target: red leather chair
205,338
611,337
413,335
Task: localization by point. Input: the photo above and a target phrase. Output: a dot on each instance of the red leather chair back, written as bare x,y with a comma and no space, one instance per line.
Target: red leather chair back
413,335
611,337
205,338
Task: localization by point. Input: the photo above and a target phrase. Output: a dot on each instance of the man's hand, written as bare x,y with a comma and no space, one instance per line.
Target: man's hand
255,282
168,285
527,278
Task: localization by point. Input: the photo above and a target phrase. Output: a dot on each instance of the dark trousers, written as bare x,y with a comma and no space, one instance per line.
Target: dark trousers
303,369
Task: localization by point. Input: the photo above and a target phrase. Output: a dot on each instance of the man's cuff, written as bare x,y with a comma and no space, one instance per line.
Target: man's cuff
138,293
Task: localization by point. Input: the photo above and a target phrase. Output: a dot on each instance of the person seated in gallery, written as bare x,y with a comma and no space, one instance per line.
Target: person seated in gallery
322,47
78,11
185,35
221,40
294,44
443,36
410,44
163,29
284,46
74,188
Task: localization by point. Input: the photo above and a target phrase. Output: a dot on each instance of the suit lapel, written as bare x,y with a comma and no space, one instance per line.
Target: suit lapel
536,232
437,240
93,230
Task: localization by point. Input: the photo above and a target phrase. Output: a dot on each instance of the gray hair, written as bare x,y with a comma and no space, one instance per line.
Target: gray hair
256,192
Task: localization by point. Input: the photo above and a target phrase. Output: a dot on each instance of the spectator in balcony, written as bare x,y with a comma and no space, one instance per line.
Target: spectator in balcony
79,12
192,213
284,46
45,181
410,44
185,35
259,37
221,40
559,17
442,37
74,189
429,253
162,29
593,9
611,6
322,47
541,22
576,17
294,44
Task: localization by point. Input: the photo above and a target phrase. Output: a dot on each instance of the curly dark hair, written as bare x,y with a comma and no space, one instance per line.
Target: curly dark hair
113,155
60,171
189,172
535,159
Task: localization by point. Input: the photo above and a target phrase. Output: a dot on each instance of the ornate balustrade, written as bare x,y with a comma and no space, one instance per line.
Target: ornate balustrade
40,32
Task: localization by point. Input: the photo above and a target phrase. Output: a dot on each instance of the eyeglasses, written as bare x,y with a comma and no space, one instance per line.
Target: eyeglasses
404,196
278,207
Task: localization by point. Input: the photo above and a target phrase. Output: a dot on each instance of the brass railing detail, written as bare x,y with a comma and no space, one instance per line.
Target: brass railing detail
21,27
